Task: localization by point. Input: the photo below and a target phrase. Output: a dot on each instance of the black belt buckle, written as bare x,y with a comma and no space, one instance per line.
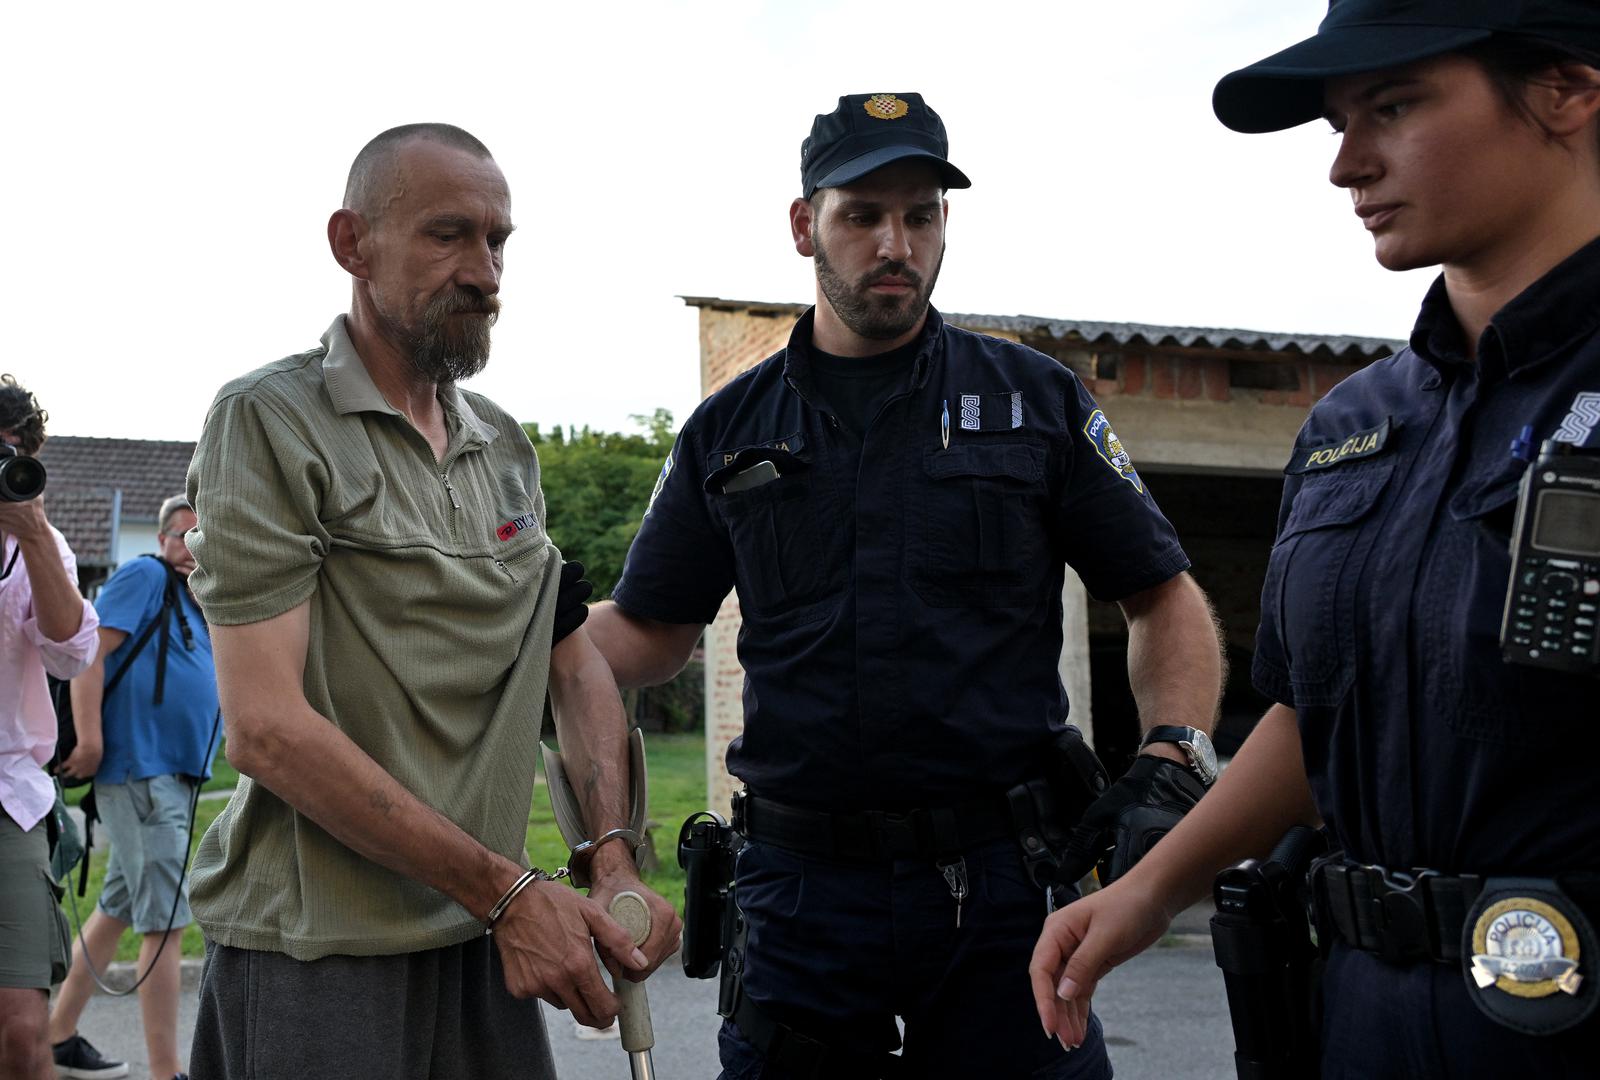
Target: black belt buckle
894,834
1404,922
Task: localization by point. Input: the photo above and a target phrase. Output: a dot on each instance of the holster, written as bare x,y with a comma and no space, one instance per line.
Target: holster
1044,812
1270,967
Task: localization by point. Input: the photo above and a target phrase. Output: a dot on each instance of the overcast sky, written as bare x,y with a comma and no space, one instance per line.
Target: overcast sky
172,168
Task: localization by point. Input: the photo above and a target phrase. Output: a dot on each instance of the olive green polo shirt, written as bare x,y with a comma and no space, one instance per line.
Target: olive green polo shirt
432,588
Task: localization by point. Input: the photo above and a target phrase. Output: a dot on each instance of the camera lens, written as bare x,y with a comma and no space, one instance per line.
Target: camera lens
21,478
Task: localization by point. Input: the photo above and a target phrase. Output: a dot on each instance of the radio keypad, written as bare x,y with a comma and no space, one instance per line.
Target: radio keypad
1556,610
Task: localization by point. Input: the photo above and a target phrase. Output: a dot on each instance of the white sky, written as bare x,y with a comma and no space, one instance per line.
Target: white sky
172,168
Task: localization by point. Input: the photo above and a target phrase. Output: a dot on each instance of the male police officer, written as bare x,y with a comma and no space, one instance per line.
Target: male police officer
895,499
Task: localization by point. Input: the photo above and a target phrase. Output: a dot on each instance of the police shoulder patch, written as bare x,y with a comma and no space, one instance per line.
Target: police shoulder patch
661,482
1109,447
1356,445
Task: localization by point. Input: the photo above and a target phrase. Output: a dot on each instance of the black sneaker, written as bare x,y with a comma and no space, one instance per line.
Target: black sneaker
78,1059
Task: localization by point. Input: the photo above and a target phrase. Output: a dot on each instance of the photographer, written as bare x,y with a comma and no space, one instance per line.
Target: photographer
145,715
44,626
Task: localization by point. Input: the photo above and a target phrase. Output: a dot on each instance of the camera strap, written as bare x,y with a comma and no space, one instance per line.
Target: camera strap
12,561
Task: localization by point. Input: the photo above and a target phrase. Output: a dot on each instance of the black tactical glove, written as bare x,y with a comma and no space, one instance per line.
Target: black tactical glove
570,596
1122,825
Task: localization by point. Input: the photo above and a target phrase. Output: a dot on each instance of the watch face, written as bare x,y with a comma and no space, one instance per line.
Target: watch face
1202,753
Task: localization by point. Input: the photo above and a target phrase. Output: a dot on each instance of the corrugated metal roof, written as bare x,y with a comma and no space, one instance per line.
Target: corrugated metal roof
1092,333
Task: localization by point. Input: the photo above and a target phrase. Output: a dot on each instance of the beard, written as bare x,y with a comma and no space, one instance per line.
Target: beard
450,342
875,318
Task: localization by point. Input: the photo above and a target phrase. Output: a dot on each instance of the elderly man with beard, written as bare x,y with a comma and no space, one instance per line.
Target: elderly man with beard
895,499
372,558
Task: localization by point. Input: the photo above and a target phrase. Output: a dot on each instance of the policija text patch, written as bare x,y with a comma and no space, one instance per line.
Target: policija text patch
1361,444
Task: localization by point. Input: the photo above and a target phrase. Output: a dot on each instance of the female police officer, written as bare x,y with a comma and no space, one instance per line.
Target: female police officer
1458,784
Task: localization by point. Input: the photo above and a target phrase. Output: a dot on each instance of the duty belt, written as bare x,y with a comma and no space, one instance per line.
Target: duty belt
1401,916
873,835
1408,916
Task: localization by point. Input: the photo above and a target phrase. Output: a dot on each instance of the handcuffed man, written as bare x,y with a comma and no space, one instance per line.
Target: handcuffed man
373,560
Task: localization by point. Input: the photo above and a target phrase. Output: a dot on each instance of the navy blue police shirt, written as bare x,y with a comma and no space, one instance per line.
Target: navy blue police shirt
907,657
1382,604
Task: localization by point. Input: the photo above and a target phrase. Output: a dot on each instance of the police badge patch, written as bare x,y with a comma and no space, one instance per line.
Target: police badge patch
661,482
1526,951
1109,447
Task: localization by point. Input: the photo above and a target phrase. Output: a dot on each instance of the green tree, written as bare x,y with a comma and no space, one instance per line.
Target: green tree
596,487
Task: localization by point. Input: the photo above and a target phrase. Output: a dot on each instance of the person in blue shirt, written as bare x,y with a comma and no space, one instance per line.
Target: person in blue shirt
895,500
148,744
1458,912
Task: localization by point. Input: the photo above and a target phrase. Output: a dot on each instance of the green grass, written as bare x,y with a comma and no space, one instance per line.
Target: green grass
128,947
677,766
677,789
223,777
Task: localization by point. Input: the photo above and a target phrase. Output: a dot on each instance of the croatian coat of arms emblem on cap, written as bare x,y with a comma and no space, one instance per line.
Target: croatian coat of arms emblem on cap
886,107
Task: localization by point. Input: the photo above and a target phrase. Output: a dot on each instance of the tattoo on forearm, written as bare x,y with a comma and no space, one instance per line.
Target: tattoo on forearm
380,801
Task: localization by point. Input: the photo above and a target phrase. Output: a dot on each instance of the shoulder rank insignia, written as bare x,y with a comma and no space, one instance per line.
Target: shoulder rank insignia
1109,447
885,107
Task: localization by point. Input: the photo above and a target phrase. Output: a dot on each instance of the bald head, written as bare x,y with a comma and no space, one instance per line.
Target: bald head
372,174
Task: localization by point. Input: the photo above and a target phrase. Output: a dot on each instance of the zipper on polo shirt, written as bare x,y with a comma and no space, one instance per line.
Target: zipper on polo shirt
455,504
506,570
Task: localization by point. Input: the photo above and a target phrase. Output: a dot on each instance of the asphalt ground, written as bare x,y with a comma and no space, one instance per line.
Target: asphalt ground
1165,1016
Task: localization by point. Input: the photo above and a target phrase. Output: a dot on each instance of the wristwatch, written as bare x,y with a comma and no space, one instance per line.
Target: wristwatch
1195,744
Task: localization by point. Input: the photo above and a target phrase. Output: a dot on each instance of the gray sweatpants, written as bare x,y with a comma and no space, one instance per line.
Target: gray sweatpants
439,1014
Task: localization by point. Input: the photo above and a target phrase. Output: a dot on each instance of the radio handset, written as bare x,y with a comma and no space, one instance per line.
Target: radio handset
1552,612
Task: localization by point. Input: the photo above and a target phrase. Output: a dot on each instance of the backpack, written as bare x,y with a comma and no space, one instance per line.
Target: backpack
61,689
61,697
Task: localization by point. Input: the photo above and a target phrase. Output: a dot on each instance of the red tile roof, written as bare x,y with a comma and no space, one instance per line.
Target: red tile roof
87,477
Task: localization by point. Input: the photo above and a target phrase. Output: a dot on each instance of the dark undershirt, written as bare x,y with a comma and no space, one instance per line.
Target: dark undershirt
855,387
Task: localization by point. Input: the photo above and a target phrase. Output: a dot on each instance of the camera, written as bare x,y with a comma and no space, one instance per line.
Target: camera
21,477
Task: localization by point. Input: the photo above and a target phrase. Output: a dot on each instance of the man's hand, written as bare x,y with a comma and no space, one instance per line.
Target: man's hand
547,940
666,929
83,762
24,520
1080,944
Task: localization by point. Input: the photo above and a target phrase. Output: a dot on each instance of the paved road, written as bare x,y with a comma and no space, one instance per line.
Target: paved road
1165,1016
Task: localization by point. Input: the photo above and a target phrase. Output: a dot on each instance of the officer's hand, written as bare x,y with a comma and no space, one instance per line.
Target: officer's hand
1122,825
1080,944
83,762
666,929
547,940
571,610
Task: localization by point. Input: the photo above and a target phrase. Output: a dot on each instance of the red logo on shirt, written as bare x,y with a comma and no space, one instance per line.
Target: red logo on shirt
513,527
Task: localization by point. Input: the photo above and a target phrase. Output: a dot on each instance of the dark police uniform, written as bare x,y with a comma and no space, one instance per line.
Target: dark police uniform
901,597
1380,625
